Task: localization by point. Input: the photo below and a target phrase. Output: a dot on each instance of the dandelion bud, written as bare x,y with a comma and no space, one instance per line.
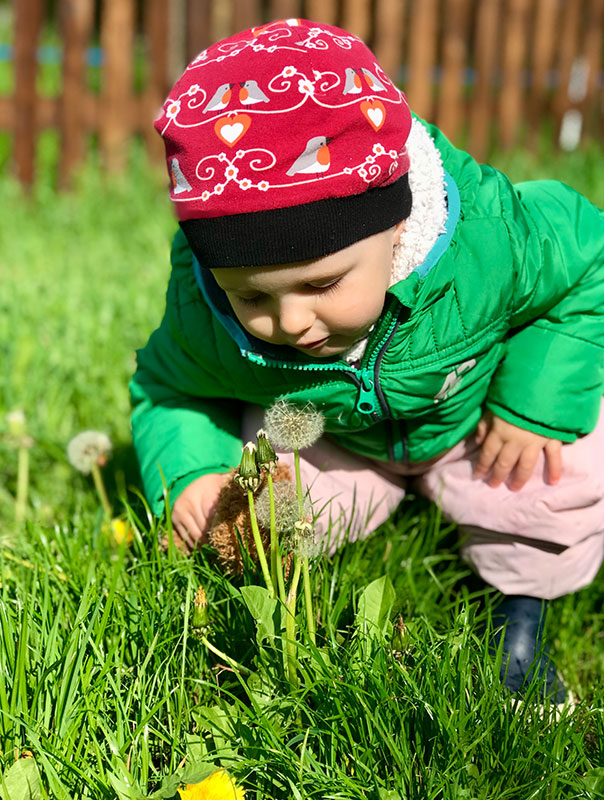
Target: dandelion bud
267,458
200,610
17,426
87,449
291,427
399,635
249,476
17,429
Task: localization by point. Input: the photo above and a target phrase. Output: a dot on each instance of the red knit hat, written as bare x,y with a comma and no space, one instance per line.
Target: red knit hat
285,143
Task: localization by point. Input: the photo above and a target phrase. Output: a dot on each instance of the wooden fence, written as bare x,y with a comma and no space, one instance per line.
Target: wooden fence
486,71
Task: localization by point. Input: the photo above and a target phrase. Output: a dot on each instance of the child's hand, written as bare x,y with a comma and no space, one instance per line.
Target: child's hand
507,449
193,508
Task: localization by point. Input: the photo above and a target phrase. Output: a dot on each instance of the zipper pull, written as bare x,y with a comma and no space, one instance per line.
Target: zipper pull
366,401
255,358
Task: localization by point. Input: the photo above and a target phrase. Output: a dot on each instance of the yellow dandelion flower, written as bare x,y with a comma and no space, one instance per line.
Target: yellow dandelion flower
218,786
117,531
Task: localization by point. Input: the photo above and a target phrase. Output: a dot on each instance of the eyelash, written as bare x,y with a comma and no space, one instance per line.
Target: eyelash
254,301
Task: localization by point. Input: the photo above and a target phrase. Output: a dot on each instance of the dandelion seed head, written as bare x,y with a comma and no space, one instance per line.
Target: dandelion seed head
286,507
292,427
87,449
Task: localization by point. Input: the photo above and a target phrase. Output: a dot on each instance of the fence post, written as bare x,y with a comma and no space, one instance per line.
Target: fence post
485,49
545,26
422,56
356,18
116,113
283,9
389,21
27,33
325,11
199,27
76,17
514,52
155,24
451,101
246,14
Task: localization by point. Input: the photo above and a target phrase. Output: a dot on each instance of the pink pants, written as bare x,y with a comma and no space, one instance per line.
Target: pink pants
543,541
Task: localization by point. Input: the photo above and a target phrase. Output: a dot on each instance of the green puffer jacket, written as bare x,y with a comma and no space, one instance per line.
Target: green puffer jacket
506,312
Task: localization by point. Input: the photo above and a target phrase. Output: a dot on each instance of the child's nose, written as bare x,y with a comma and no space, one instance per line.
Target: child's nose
295,316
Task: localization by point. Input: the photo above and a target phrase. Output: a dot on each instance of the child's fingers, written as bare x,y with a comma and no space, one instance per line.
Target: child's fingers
524,467
553,457
488,453
481,431
506,460
188,529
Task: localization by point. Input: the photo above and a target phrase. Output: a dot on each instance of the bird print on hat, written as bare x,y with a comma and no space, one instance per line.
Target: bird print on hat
315,157
353,83
221,98
179,182
250,92
374,83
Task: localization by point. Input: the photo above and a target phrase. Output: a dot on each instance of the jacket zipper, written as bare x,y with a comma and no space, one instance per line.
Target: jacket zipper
370,399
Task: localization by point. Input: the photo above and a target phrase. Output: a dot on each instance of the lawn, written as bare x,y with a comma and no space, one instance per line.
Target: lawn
106,692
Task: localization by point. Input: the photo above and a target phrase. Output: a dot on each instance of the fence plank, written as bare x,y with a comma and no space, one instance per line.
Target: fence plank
486,37
76,18
542,53
389,20
117,41
28,16
325,11
569,37
511,106
451,101
422,56
246,14
593,49
155,27
356,18
284,9
199,27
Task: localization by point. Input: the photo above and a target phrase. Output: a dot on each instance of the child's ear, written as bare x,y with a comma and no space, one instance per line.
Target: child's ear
398,232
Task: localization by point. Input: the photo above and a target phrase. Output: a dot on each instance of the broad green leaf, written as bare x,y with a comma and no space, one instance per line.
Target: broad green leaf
374,607
21,781
594,782
265,610
123,789
195,772
389,794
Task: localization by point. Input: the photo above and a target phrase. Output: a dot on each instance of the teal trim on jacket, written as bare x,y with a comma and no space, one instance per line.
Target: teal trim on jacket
507,313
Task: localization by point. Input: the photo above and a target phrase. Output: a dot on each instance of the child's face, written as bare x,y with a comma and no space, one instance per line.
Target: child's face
320,307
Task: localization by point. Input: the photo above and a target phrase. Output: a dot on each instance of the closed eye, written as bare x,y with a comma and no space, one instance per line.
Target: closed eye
325,288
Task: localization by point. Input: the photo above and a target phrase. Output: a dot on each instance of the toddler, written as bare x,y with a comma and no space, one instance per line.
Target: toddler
447,324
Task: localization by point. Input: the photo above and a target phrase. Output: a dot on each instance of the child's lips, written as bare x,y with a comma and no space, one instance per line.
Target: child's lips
312,345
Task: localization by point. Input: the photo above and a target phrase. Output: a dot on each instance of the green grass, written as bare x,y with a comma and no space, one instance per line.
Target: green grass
99,673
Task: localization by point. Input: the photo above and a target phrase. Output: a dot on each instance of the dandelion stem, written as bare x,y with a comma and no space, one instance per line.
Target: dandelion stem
276,562
101,491
223,656
259,545
22,484
290,627
310,616
299,492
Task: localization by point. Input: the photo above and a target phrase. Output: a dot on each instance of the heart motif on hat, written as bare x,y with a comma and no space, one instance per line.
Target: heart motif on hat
230,129
374,112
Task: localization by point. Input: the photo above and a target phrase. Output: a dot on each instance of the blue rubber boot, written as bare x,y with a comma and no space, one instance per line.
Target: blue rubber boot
524,652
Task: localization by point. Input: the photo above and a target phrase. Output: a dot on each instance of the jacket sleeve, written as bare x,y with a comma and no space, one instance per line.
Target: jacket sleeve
183,423
551,379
